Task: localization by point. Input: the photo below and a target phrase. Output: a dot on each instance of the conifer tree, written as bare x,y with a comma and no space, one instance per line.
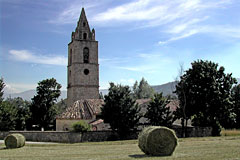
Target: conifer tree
158,113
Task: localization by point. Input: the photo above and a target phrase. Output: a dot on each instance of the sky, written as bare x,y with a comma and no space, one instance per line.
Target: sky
137,38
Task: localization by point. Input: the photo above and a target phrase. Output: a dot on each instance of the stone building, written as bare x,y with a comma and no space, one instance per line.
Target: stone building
83,101
83,67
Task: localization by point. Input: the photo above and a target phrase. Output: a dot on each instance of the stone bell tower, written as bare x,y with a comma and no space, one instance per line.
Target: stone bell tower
83,67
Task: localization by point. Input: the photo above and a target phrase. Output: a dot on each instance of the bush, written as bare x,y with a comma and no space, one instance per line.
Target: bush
81,126
157,141
14,141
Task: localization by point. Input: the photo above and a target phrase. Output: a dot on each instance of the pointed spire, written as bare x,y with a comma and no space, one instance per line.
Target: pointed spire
83,15
83,31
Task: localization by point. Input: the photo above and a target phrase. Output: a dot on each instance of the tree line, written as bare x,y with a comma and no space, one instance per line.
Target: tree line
206,95
40,113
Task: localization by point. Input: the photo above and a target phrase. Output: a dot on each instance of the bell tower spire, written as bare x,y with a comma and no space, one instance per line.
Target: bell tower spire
83,67
82,31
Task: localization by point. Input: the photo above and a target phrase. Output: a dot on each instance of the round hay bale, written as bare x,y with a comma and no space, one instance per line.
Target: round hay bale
14,141
157,141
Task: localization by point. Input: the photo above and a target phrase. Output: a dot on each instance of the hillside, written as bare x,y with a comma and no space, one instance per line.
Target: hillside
166,88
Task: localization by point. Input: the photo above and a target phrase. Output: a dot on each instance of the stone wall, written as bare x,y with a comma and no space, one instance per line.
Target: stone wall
195,132
93,136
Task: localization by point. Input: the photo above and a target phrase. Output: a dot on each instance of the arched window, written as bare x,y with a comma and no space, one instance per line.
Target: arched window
84,24
70,57
84,35
85,55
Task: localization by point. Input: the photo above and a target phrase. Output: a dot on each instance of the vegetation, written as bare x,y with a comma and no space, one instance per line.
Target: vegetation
7,116
43,108
22,114
2,85
236,104
157,141
158,113
143,90
204,148
232,132
81,126
14,141
204,93
120,110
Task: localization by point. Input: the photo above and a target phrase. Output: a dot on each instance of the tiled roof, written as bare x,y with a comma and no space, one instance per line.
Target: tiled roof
86,109
82,109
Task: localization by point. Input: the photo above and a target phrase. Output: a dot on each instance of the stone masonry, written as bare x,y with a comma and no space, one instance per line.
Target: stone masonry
83,67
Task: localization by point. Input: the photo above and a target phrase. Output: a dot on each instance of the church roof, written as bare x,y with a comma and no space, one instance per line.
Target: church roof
86,109
83,109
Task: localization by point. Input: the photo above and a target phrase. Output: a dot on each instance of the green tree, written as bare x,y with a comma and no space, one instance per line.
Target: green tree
204,91
143,90
236,104
120,110
158,113
7,112
43,108
2,85
23,113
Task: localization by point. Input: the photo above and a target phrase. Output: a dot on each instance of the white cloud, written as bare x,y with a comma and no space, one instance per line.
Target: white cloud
148,55
185,35
27,56
71,12
129,81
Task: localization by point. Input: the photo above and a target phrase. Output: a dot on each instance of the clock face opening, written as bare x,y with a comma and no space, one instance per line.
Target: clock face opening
86,71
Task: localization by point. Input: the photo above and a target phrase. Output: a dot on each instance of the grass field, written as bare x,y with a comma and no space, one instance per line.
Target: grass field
206,148
233,132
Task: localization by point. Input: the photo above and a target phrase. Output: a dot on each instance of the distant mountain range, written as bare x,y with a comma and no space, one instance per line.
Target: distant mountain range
167,89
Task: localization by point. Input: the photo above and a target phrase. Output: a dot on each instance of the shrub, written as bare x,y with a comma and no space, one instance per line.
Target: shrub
14,141
157,141
81,126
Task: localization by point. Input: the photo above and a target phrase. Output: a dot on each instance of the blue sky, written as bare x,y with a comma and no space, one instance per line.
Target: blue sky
137,38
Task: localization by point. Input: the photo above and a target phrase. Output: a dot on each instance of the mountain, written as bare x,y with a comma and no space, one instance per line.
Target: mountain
29,94
166,88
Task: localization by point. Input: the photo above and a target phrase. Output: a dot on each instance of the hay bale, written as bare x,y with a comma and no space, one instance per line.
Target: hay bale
14,141
157,141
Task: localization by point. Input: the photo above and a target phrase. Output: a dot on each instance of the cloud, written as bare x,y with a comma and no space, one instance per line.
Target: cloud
154,13
185,35
71,13
27,56
129,81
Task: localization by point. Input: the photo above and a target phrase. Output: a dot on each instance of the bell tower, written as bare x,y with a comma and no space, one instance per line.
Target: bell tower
83,67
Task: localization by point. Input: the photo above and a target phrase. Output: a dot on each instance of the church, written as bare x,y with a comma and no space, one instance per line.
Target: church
83,101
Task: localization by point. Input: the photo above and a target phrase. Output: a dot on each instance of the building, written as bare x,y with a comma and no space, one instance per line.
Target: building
83,101
83,67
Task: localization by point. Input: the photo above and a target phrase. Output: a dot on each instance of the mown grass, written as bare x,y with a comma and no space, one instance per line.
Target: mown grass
206,148
233,132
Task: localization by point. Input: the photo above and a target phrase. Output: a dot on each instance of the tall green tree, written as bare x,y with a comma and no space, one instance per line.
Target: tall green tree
158,113
204,91
236,104
143,90
23,113
43,106
7,112
120,110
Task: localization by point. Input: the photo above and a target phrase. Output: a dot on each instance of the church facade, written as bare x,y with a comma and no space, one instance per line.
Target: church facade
83,67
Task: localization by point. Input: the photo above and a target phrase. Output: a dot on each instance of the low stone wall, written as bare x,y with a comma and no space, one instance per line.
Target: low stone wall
194,132
93,136
63,136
